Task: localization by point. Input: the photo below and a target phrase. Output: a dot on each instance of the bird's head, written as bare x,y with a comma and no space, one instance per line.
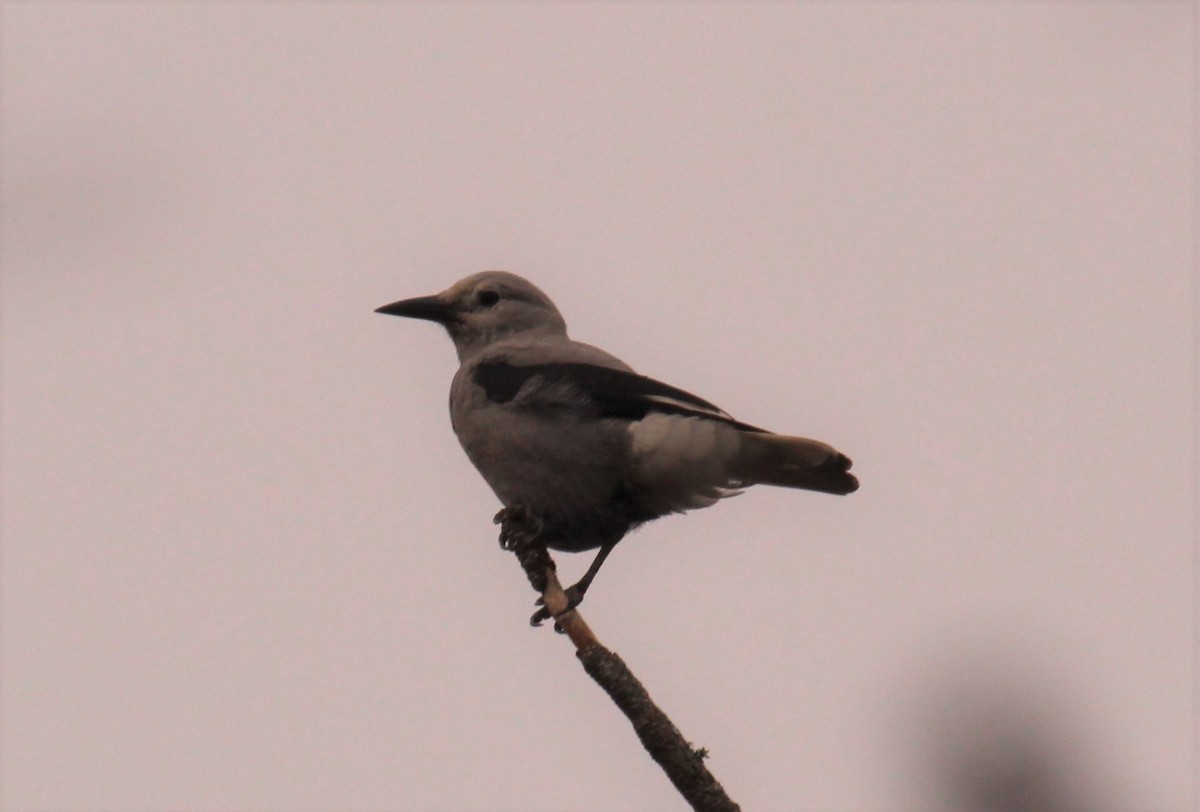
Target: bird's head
484,308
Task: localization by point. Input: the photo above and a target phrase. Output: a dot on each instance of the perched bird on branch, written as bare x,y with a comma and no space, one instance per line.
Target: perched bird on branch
581,445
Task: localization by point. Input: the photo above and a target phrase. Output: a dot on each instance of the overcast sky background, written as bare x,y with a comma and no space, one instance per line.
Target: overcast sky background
246,565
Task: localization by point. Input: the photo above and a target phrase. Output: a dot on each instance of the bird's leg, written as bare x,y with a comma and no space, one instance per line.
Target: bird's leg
576,591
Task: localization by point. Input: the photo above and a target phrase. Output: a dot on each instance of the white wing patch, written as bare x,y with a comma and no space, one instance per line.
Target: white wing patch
681,463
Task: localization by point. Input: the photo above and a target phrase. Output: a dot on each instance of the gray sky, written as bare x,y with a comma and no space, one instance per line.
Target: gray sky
246,565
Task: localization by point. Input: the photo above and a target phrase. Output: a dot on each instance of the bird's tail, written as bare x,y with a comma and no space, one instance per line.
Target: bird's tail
793,462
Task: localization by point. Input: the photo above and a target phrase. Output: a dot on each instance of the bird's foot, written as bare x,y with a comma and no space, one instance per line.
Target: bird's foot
520,531
516,525
574,597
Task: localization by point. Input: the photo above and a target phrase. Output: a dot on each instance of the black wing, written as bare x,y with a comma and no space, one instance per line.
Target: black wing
617,393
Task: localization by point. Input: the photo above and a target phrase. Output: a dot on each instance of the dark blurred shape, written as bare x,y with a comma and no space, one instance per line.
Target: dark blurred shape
999,735
1007,771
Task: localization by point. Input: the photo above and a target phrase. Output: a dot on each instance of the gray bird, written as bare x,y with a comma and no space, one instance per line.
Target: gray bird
573,437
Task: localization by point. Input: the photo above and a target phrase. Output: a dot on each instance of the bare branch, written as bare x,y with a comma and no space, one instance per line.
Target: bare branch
658,734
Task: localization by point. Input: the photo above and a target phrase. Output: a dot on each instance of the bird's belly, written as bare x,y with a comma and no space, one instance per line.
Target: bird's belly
568,471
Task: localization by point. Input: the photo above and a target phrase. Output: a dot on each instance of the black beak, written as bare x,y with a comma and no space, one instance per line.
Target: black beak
430,308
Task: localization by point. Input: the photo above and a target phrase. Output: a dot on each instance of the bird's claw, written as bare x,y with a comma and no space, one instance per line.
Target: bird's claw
509,539
541,616
574,598
516,525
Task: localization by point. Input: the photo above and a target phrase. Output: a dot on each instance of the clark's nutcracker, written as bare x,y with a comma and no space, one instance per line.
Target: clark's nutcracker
582,444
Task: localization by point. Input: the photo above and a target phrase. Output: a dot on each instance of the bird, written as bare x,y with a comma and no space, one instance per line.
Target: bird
574,439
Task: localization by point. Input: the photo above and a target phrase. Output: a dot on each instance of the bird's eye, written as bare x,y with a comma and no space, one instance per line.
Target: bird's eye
487,298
